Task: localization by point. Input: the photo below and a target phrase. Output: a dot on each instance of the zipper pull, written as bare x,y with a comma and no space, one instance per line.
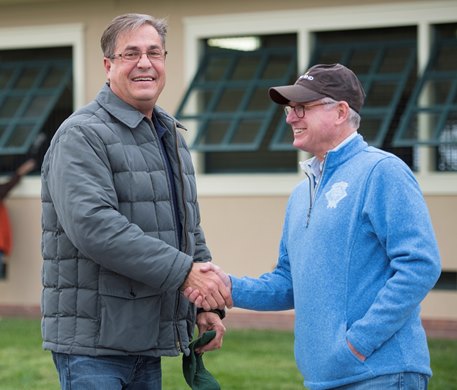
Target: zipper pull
308,217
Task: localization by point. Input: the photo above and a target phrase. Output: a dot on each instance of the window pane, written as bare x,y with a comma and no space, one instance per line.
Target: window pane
230,100
5,77
10,106
53,78
277,65
429,128
330,56
37,106
215,132
2,130
284,135
381,94
259,100
228,105
27,78
246,131
436,92
197,101
246,67
443,60
19,136
370,127
215,68
394,60
35,97
362,59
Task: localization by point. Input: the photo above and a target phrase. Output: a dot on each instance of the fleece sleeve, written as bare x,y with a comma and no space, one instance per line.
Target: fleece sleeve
270,292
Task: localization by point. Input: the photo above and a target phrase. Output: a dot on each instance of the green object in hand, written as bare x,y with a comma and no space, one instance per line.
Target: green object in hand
195,373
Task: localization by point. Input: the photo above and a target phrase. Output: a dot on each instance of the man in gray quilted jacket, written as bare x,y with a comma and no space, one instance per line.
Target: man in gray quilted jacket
121,227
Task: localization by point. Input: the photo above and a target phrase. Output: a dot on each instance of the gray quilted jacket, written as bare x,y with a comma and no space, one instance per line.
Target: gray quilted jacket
112,266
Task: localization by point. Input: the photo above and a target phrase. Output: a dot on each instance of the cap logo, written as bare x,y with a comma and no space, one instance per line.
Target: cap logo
306,76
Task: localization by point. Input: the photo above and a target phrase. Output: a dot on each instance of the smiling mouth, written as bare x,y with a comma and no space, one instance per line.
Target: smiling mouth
143,79
298,131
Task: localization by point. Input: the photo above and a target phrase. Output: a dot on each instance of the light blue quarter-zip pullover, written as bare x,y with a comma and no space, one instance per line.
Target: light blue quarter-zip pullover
357,256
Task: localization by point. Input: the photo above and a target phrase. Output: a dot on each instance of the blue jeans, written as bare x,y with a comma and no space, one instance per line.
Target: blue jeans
401,381
78,372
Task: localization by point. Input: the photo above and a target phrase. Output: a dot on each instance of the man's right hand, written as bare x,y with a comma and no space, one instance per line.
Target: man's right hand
213,292
197,298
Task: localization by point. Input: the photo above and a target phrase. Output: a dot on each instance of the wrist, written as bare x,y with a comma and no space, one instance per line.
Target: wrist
183,285
219,312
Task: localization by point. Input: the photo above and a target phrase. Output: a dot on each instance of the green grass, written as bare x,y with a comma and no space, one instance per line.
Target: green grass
249,360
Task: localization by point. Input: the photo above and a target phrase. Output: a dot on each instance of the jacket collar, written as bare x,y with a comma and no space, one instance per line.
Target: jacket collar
129,115
122,111
336,157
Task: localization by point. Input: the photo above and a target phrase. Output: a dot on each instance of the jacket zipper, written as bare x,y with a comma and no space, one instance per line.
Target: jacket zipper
185,240
184,236
313,190
311,196
181,177
175,321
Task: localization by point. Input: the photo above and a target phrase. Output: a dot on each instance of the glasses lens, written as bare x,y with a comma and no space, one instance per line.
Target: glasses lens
299,110
155,55
131,55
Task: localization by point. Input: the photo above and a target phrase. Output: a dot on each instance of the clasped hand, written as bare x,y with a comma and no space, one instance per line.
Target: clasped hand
208,287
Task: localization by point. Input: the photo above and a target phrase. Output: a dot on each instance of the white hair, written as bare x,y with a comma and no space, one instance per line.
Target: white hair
354,116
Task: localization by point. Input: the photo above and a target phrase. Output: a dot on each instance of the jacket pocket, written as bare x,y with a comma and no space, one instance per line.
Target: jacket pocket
129,314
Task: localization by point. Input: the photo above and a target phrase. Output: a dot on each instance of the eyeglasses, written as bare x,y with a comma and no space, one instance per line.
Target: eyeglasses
300,109
135,55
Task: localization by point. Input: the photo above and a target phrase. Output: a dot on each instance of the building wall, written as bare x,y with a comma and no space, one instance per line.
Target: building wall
242,229
242,232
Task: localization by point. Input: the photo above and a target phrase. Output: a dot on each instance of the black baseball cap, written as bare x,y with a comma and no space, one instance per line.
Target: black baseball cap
320,81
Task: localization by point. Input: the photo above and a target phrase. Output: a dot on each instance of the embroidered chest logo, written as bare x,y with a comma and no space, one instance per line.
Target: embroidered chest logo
336,193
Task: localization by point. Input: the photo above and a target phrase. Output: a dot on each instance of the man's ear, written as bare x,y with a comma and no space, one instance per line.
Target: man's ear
107,65
342,111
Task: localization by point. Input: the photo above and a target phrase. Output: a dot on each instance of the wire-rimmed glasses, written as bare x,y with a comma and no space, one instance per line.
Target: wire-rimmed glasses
132,55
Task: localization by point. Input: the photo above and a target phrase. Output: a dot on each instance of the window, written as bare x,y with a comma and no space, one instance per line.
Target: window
431,115
61,44
228,104
384,60
35,96
240,130
388,45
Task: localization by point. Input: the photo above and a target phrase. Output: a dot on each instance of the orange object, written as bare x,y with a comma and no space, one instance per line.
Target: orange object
6,239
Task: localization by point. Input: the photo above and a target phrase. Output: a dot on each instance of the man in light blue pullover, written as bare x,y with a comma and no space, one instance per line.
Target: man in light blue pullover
358,252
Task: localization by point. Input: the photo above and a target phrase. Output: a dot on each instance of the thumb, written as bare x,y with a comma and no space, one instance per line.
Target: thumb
206,267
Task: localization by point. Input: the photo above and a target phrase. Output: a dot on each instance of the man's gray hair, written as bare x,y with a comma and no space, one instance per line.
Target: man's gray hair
354,117
126,23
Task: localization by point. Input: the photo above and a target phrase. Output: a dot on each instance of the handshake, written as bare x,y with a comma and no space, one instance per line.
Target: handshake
208,287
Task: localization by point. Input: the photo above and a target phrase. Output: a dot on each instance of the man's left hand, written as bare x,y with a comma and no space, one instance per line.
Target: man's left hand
210,321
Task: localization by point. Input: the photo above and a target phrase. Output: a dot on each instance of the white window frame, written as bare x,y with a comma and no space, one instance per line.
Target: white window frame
47,36
304,22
